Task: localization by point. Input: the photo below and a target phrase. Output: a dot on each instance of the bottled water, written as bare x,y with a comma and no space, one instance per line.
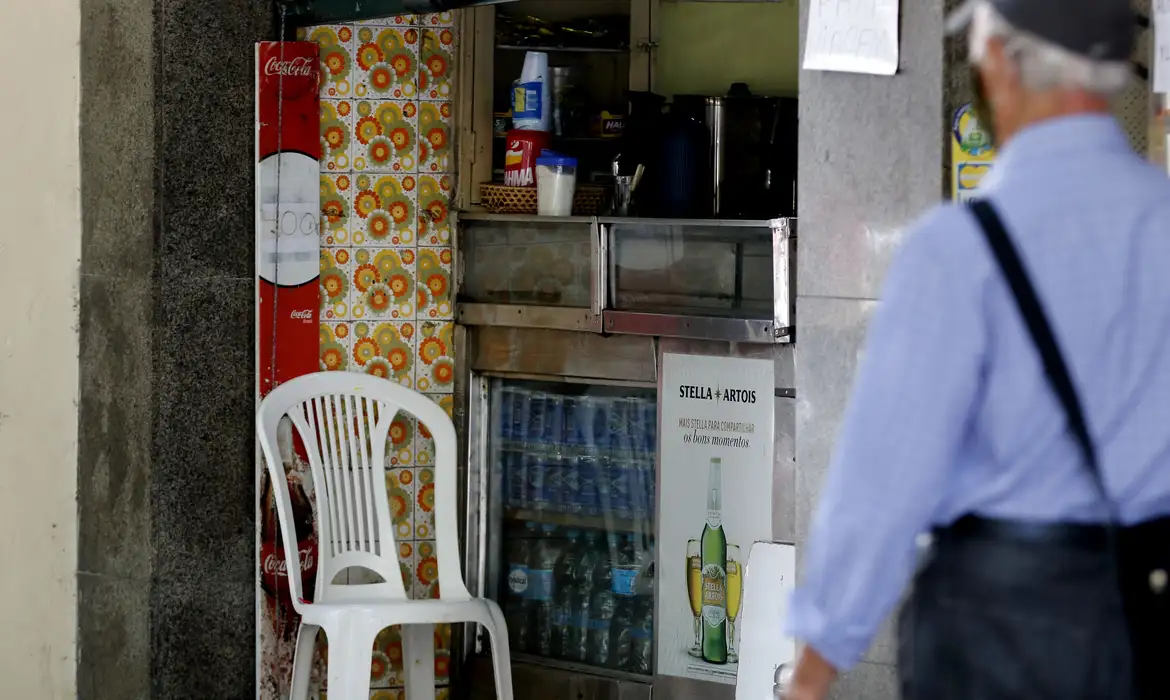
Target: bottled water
564,574
516,591
624,582
642,637
581,598
601,609
541,590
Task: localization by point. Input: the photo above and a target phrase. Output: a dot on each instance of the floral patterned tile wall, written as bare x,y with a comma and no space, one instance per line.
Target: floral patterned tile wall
386,306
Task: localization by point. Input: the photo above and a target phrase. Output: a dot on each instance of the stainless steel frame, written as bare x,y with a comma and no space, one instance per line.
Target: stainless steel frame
561,355
600,317
598,345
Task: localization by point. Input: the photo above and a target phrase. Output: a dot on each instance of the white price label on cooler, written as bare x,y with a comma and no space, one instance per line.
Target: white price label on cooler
289,239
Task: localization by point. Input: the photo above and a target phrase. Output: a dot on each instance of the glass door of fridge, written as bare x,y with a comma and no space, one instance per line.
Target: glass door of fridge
573,477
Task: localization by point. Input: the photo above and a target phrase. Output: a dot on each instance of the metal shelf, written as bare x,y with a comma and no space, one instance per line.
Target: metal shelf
561,49
594,522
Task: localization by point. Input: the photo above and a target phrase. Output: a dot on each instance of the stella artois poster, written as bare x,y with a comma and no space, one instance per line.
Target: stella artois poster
287,269
715,452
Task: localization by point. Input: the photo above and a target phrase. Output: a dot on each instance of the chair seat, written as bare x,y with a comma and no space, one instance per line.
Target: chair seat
394,612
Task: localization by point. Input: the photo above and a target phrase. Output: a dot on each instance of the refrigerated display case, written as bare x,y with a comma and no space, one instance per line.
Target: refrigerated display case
562,330
573,467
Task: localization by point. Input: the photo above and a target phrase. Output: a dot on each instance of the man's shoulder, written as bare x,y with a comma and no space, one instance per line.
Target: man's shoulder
944,233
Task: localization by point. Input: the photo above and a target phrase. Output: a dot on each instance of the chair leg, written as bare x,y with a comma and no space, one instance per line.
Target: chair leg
501,654
418,653
351,649
303,661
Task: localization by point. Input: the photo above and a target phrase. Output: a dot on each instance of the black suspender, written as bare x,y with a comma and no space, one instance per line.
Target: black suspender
1041,331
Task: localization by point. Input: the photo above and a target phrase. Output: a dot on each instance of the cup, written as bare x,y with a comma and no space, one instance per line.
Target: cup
623,195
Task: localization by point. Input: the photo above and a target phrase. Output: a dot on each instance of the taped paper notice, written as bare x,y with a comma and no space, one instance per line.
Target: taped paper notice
852,36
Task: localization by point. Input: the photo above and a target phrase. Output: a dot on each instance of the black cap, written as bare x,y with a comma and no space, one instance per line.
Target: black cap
1098,29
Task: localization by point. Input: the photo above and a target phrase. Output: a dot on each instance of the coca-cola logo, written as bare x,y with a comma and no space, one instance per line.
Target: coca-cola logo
288,70
297,67
305,315
276,564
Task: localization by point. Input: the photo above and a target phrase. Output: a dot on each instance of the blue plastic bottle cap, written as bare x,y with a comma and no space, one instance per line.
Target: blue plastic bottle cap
554,159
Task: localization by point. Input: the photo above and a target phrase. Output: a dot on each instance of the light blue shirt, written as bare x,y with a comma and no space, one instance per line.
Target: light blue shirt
951,413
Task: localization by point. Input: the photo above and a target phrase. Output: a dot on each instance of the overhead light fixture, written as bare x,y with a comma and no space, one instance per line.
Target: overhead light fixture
304,12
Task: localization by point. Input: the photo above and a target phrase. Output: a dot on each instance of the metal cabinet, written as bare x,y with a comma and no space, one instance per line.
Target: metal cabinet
699,279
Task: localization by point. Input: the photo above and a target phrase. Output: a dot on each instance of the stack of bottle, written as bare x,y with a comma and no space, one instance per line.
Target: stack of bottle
582,596
588,455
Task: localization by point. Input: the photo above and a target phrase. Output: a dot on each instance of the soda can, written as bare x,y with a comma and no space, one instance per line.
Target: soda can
635,426
534,428
600,423
570,430
538,483
553,428
620,483
504,423
571,485
589,480
649,409
605,486
583,421
554,480
637,494
515,478
517,427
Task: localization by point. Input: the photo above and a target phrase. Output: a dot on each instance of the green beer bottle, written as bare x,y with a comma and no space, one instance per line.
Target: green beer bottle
713,548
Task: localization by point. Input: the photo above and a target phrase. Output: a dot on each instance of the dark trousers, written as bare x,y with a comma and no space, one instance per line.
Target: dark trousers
995,616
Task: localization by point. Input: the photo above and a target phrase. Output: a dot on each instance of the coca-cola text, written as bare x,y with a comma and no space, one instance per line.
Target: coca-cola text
276,564
297,67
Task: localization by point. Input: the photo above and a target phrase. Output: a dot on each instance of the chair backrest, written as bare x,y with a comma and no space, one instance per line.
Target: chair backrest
343,420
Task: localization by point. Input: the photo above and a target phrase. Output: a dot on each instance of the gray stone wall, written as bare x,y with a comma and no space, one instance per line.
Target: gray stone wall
166,474
871,160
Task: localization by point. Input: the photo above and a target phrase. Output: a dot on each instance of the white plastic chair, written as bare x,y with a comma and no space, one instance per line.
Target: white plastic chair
354,526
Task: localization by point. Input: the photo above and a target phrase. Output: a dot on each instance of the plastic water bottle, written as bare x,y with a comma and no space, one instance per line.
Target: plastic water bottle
581,598
601,609
642,637
624,580
564,574
542,588
516,592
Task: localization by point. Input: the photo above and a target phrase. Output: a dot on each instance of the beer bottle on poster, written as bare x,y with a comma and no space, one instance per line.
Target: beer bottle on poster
713,548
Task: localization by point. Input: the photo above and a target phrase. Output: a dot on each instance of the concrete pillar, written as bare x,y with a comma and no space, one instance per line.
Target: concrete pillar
871,160
40,242
166,468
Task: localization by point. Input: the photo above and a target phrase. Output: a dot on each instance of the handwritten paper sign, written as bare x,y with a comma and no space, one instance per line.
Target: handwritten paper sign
1162,46
852,36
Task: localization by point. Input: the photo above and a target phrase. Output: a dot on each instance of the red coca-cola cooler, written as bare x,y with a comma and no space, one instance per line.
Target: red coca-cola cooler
287,222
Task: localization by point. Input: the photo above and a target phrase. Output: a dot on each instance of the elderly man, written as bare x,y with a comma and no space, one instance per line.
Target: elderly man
1014,400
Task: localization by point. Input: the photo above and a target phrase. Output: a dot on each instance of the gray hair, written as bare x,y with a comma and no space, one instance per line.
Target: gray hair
1042,64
